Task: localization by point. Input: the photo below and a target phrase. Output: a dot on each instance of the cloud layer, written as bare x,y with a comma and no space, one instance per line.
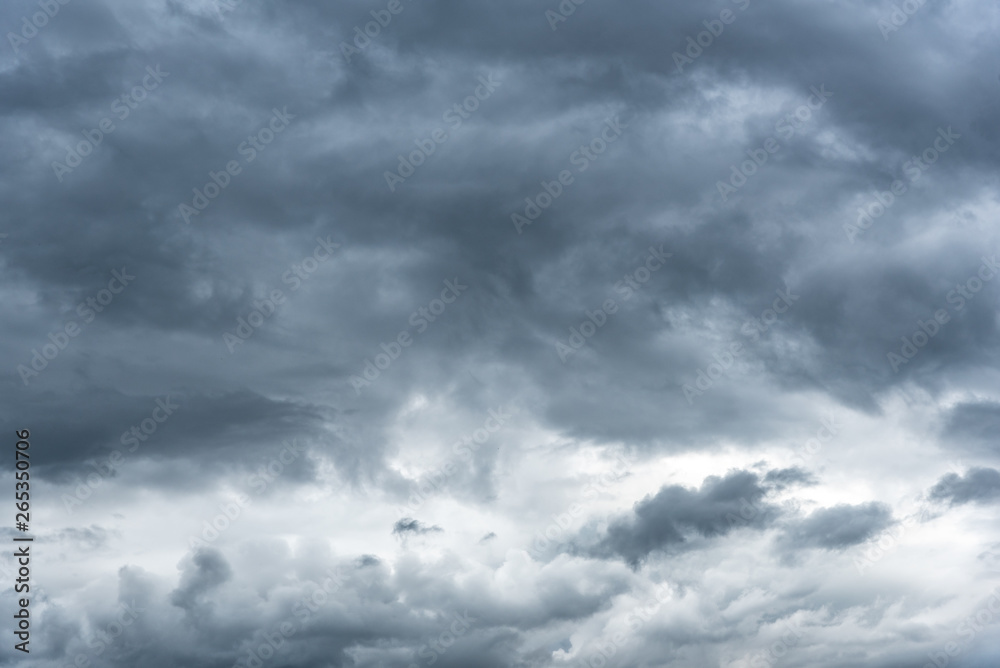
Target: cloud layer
504,334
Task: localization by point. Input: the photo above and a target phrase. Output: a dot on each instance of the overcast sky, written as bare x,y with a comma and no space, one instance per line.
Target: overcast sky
503,334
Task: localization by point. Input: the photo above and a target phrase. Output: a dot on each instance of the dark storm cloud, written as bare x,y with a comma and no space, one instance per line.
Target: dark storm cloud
974,426
409,525
838,527
671,518
715,252
323,176
89,427
781,478
978,485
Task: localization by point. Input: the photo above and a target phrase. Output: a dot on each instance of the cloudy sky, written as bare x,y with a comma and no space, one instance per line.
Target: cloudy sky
411,333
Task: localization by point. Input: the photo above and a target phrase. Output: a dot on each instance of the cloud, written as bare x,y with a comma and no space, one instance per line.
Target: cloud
409,525
782,478
694,506
978,485
973,426
670,518
839,527
201,572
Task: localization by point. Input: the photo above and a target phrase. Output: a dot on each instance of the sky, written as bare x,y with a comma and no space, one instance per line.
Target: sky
411,333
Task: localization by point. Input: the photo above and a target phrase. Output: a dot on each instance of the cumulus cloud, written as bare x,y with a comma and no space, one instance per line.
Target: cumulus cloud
978,485
839,527
201,572
668,519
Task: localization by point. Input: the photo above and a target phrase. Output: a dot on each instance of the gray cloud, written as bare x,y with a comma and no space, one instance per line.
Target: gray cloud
974,426
978,485
668,519
201,572
409,525
916,283
839,527
795,475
